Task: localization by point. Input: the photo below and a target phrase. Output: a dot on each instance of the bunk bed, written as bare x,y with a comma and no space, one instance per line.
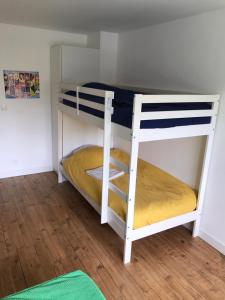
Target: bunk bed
136,117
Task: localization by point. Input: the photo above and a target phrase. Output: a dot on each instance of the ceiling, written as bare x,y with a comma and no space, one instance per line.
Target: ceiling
95,15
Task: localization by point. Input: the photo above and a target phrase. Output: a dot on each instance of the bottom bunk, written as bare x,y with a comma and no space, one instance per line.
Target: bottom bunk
162,201
159,195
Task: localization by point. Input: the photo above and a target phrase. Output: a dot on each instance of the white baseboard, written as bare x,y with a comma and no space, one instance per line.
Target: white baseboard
213,242
15,173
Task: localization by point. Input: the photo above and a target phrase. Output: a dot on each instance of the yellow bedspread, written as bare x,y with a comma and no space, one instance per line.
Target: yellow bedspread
159,195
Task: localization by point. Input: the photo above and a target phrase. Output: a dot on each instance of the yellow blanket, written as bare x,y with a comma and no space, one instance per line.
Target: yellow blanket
159,195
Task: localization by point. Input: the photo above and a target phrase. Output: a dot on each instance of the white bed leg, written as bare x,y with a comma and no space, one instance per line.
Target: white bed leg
203,183
61,178
132,178
127,251
106,156
60,145
196,227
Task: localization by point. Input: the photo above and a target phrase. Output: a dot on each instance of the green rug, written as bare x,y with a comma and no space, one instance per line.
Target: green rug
72,286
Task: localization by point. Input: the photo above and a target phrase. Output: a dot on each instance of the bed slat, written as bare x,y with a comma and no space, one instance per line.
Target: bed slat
117,191
157,115
176,98
93,92
119,164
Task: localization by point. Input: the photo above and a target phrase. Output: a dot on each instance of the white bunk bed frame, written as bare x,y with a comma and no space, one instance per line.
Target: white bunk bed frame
137,135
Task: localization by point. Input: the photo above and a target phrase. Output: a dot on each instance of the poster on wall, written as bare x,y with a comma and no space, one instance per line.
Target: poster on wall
21,84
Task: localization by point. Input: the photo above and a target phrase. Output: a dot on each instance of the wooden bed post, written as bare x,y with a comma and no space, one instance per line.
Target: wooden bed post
204,173
132,178
106,155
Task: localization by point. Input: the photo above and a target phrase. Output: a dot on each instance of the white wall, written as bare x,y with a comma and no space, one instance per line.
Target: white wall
107,43
189,55
108,57
25,125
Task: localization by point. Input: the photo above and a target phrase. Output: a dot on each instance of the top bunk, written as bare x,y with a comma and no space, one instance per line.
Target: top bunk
152,114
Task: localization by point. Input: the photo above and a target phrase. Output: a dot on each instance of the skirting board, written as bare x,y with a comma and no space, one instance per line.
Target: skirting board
23,172
213,242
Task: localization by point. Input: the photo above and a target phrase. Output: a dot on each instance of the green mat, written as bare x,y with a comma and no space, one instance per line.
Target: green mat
72,286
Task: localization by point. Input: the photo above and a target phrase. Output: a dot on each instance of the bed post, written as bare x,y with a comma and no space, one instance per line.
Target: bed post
59,138
132,178
204,173
106,155
60,145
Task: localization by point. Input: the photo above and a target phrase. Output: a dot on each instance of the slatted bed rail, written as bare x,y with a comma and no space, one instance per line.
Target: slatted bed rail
78,100
177,131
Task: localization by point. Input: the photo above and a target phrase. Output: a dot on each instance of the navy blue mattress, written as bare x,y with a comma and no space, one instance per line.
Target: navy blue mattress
123,108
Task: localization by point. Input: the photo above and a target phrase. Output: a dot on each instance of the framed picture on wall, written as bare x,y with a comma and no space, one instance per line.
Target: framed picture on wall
21,84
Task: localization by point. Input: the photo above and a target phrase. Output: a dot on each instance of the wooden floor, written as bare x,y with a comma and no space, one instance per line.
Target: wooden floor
48,229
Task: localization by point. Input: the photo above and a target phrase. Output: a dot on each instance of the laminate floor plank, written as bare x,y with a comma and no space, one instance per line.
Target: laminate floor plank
48,229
